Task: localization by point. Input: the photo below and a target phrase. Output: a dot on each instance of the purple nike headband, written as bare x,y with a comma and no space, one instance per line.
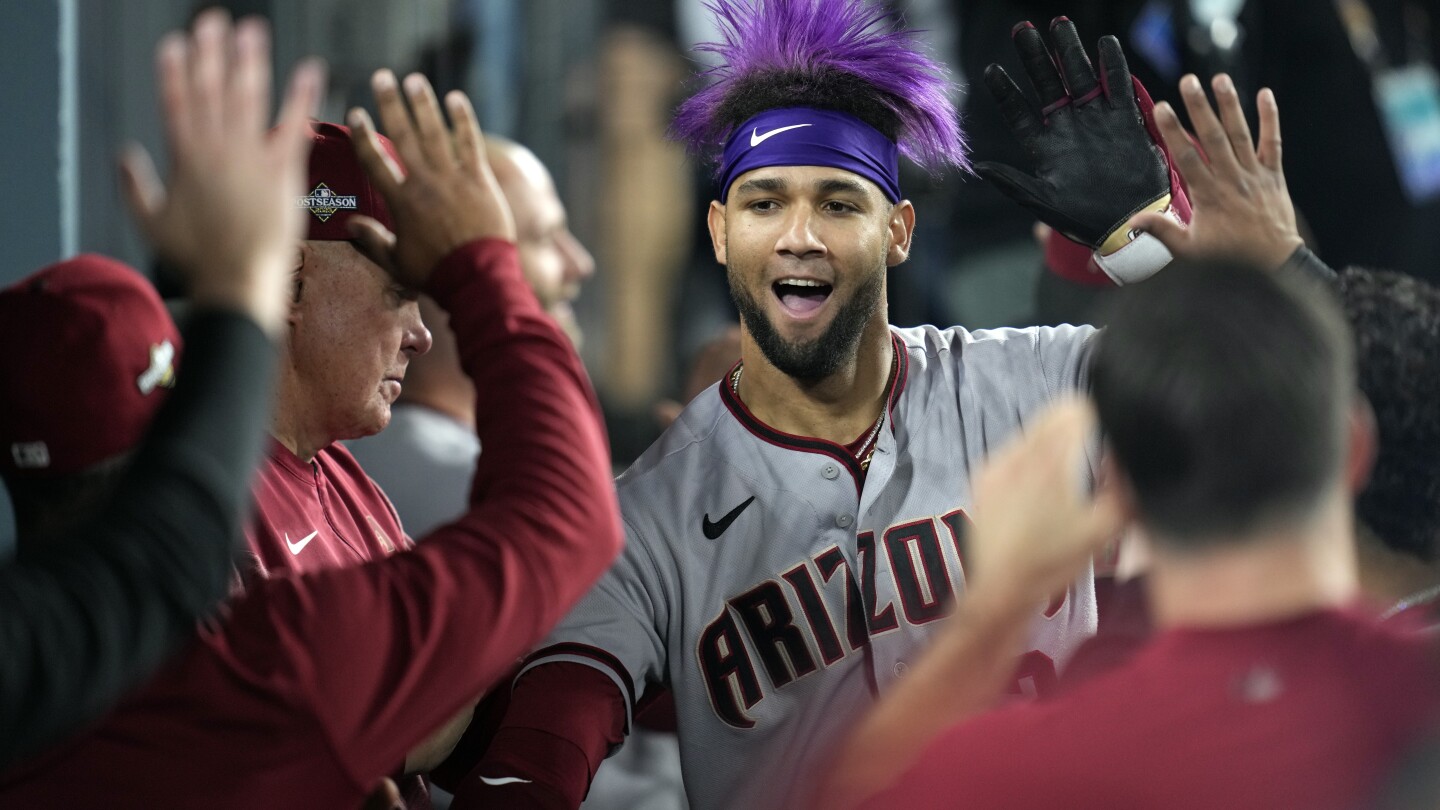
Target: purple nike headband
803,136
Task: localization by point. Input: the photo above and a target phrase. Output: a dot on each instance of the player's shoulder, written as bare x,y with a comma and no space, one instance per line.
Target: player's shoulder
690,440
954,356
704,451
929,343
934,340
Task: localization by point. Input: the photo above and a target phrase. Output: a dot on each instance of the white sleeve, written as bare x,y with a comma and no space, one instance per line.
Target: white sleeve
1064,355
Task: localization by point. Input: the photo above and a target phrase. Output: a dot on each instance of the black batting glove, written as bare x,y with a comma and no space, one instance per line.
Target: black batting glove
1096,164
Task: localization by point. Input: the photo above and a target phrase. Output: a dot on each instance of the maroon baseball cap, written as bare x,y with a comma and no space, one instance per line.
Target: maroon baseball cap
91,354
338,188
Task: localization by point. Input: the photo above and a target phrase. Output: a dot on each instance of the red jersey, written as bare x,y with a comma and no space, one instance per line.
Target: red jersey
326,513
322,514
313,687
1311,712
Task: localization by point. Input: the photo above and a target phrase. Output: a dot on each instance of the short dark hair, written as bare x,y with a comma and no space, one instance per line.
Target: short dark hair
824,88
1396,321
1224,392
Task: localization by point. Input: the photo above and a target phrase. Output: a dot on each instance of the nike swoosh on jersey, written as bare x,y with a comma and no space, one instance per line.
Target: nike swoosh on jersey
504,780
297,547
756,138
714,530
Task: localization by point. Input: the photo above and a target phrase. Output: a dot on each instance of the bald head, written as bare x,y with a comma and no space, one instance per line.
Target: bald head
554,261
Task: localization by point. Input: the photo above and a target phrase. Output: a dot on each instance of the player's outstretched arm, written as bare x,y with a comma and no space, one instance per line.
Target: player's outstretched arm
1242,207
1019,556
83,620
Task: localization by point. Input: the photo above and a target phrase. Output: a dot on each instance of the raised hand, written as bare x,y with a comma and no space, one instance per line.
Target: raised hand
1096,164
227,220
446,197
1035,524
1242,207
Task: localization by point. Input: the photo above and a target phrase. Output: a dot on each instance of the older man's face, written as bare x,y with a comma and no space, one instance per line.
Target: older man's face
354,332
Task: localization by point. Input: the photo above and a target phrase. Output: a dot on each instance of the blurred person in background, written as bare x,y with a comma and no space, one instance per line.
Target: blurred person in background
1396,320
645,244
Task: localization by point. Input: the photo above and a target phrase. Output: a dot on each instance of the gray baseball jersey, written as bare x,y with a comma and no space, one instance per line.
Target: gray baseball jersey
777,596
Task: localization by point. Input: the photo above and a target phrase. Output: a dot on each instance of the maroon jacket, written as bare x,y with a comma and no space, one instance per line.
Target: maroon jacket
326,513
313,687
1313,711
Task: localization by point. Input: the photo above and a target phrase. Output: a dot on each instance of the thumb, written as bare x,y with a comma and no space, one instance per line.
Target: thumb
1170,233
1013,183
375,239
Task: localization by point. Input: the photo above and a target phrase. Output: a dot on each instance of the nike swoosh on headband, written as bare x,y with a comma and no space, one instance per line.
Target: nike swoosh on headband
756,138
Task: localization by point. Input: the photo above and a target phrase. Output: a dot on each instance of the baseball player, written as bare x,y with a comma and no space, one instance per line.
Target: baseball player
794,538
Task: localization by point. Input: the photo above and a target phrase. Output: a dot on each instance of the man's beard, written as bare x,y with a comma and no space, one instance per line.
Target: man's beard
812,361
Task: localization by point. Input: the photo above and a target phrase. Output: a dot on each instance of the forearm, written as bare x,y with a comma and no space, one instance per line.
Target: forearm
563,719
962,674
87,619
545,470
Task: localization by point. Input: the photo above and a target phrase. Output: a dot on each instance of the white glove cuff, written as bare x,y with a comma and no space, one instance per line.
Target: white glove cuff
1139,259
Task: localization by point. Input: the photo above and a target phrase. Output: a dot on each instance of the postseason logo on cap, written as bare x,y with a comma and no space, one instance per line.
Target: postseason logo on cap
161,372
323,203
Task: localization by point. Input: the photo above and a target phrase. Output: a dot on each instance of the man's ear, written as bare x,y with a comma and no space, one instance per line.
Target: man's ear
902,230
1362,445
715,218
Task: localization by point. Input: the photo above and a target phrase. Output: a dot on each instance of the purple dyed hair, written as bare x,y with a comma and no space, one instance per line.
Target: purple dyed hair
810,36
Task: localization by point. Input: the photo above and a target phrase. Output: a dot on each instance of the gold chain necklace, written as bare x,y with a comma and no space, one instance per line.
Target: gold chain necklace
867,448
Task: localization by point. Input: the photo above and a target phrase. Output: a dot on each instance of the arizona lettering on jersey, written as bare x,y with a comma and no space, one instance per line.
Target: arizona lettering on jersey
787,622
777,596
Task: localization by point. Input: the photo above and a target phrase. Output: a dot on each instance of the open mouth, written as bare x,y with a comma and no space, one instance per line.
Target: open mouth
802,296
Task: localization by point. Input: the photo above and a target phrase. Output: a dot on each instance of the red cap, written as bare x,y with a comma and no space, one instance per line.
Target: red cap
338,188
92,351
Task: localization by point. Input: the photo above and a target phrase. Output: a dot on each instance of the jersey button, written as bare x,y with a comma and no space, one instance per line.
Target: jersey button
831,471
900,669
843,521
